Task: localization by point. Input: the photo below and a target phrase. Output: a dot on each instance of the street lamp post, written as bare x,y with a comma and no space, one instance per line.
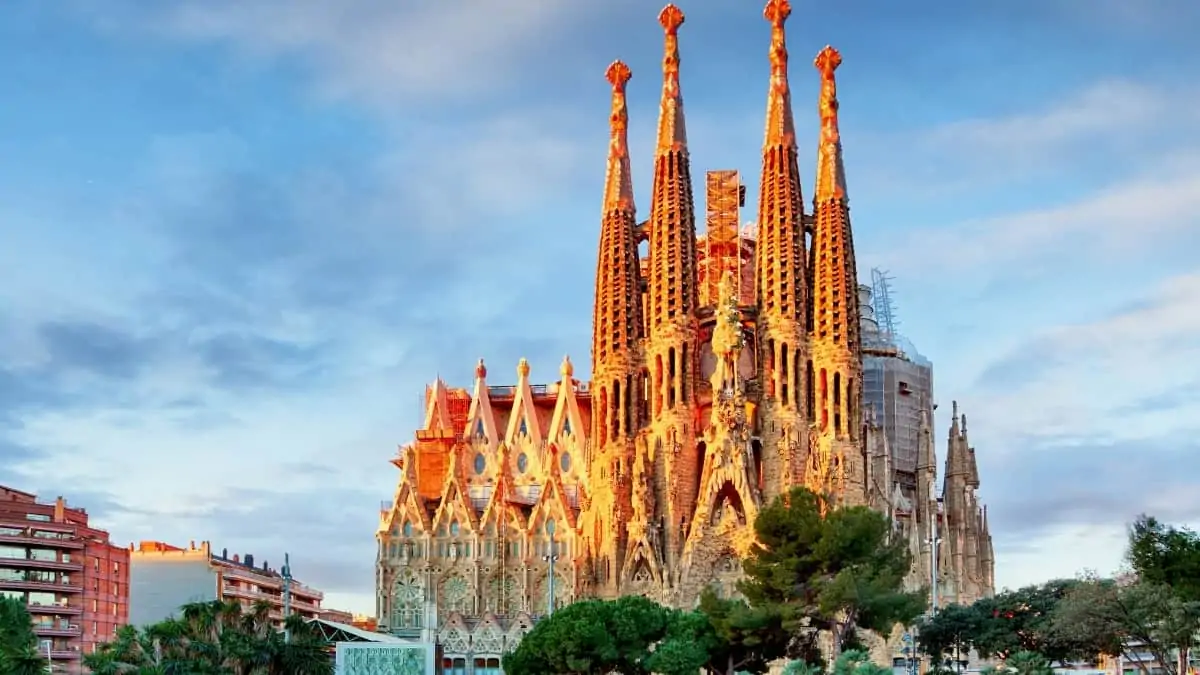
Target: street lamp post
287,596
933,557
551,559
49,656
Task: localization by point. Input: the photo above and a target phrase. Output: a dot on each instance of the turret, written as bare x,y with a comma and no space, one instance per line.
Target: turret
781,277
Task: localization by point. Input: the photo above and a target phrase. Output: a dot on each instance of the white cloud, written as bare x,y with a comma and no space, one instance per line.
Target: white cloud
1070,379
381,53
1125,218
1114,127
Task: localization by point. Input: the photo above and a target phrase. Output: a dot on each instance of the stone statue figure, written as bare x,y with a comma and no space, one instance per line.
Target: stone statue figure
726,339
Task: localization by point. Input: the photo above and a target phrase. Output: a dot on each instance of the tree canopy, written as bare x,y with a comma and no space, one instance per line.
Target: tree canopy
215,638
18,644
630,635
837,569
1156,609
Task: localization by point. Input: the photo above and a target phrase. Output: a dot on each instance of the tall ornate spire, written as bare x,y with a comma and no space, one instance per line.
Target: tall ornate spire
781,126
672,133
617,321
671,350
617,330
781,277
831,174
618,183
834,337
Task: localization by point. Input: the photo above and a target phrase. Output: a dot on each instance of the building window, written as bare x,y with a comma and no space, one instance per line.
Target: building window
407,602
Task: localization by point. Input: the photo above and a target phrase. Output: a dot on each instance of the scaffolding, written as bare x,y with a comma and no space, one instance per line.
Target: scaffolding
724,197
897,380
885,310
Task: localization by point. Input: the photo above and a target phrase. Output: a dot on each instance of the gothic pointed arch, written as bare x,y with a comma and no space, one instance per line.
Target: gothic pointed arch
481,426
523,422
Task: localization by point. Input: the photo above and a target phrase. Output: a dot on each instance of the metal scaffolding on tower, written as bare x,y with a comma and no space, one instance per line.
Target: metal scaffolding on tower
724,197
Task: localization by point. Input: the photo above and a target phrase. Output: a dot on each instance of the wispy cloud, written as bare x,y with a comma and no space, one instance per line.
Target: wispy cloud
389,55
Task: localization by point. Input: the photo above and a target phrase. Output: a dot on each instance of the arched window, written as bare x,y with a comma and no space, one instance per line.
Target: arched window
408,598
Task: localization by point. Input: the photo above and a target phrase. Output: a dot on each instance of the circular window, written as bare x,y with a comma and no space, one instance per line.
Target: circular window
407,529
564,461
480,462
522,462
454,528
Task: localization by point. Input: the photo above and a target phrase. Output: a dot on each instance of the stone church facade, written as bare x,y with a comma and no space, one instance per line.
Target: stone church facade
726,369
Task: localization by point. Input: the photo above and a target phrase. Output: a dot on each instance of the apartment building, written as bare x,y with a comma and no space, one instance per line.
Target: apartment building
72,579
164,577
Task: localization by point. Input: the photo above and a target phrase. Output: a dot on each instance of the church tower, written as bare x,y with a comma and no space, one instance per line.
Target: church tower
672,346
836,462
616,358
781,279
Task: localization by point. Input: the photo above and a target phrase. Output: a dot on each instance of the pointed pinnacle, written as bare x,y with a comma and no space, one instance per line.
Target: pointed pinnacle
618,183
672,134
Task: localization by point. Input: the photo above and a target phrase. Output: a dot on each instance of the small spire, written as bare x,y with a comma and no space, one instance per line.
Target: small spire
781,126
523,368
567,369
672,133
618,183
831,174
480,370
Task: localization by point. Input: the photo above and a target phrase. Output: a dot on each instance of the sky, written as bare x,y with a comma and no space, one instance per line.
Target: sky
238,237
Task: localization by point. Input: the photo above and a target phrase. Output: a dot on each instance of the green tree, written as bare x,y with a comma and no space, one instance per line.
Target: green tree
1028,663
1165,555
18,644
837,569
594,637
748,638
950,633
857,662
1113,615
211,638
1024,620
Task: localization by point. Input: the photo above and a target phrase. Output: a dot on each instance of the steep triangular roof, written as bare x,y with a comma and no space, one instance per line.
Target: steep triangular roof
567,421
524,419
454,494
480,420
437,411
553,498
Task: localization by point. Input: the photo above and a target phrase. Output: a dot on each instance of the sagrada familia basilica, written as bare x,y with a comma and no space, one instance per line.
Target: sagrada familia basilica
725,370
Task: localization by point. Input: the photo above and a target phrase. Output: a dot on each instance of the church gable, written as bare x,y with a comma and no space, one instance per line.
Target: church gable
524,425
455,512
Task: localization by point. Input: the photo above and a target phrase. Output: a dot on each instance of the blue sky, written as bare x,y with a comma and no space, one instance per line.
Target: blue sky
238,237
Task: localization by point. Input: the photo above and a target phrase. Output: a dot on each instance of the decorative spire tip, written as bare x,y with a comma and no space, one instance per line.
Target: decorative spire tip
480,370
828,61
777,12
618,74
671,18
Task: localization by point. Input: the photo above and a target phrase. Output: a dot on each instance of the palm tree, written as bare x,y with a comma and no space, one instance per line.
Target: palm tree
18,643
215,638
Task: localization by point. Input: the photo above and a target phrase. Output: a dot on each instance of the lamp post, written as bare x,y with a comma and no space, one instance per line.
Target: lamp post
551,559
933,556
49,656
287,596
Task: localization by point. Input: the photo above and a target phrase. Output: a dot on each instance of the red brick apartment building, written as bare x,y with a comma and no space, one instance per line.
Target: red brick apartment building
74,582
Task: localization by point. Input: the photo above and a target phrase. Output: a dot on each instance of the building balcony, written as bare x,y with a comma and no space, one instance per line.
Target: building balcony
57,630
52,586
71,543
32,564
63,654
54,608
